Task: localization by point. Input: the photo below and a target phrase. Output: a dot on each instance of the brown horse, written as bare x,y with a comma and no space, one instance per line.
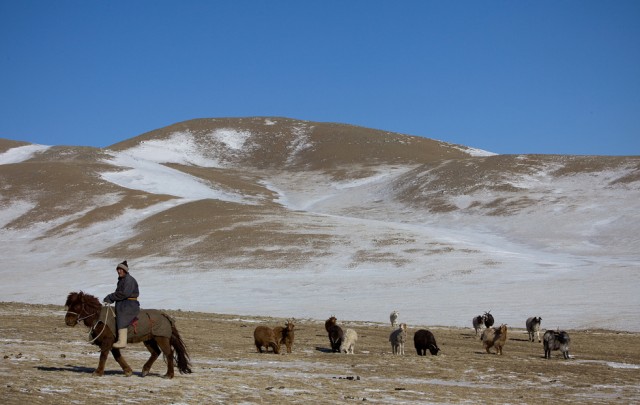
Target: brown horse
86,308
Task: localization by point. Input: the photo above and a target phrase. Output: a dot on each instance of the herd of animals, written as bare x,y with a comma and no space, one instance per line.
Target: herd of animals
161,336
423,340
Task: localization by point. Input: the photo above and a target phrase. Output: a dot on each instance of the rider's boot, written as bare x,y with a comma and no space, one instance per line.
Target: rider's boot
122,339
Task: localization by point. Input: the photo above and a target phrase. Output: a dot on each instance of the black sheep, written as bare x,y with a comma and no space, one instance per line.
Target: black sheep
488,319
423,340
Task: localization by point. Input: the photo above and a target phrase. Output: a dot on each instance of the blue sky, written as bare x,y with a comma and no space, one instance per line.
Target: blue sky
505,76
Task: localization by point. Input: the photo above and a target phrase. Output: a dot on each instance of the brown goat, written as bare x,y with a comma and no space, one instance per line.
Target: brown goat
265,336
494,337
285,334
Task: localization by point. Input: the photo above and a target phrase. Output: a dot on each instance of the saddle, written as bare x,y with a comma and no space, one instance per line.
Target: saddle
149,322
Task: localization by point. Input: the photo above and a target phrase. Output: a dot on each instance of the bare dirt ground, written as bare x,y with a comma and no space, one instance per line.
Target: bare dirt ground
45,362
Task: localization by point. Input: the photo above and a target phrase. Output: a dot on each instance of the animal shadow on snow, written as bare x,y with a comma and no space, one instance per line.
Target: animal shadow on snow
86,370
324,349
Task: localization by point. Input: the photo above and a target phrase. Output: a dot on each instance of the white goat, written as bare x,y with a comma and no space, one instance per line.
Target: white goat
394,318
398,338
349,341
533,327
478,323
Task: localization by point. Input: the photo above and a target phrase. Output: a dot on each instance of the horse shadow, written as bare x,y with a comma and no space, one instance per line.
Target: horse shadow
83,370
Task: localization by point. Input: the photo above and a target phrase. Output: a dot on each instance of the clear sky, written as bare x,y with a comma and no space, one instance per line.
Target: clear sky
504,76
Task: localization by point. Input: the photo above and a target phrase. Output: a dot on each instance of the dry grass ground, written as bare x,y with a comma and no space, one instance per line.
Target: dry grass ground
45,362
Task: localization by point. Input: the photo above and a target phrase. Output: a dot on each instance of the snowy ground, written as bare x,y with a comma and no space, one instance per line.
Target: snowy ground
56,368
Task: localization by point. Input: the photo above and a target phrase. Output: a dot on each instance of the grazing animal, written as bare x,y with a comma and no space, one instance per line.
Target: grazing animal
155,329
494,337
533,327
478,322
335,333
349,341
394,318
488,319
265,336
556,340
398,338
285,334
424,340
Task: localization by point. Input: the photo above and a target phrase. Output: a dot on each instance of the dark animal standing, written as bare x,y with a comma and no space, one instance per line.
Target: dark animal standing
86,308
285,334
424,340
556,340
265,336
330,322
335,334
533,327
488,319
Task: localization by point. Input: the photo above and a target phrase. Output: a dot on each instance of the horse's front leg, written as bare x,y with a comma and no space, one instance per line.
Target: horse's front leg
123,363
104,353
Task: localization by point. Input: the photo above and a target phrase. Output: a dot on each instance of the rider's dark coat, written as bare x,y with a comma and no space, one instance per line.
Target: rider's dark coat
126,309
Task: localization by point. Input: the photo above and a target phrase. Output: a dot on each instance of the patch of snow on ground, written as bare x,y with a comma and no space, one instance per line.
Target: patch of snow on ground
21,153
231,138
179,148
612,364
149,176
300,142
474,151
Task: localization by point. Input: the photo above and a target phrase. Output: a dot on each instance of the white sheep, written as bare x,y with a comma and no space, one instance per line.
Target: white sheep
394,318
398,338
349,341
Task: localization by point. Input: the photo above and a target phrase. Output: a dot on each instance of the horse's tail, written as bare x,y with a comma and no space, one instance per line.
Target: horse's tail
180,352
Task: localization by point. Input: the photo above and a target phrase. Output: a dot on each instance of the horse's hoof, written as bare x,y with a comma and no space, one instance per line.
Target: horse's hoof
128,373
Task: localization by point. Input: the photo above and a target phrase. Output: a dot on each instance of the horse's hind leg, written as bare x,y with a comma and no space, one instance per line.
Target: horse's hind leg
167,350
153,348
123,363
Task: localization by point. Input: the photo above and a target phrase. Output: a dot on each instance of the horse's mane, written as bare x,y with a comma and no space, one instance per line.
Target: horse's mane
91,302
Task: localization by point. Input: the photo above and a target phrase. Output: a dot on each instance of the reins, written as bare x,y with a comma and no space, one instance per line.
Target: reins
78,315
106,316
97,321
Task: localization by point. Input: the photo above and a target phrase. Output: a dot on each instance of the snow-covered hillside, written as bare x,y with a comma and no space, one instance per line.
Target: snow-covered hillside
258,219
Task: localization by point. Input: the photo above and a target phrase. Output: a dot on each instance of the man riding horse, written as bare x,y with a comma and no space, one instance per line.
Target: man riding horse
127,306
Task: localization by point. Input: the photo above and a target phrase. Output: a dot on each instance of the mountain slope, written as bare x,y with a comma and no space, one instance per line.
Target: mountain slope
325,218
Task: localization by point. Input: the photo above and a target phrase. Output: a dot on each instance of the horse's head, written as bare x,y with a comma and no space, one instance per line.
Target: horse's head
79,307
73,306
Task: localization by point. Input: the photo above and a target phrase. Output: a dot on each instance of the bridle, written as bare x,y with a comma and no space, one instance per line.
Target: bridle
79,319
93,326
